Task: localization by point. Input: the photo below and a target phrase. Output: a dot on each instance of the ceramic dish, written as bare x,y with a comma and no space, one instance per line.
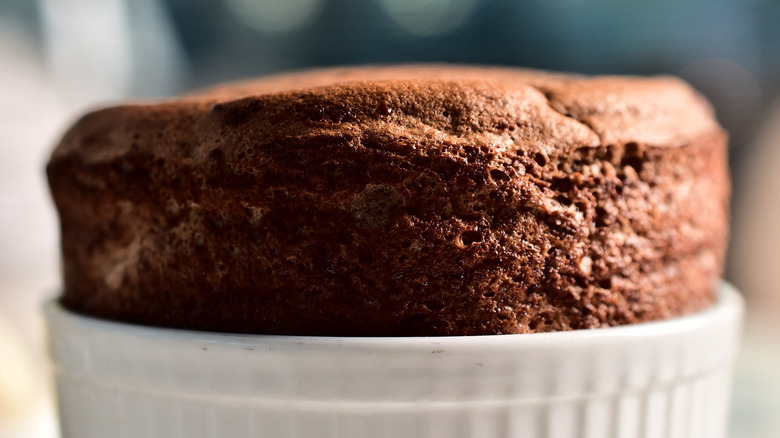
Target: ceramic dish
665,379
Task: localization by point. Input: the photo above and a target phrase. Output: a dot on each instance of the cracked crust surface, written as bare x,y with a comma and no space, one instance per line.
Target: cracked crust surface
386,201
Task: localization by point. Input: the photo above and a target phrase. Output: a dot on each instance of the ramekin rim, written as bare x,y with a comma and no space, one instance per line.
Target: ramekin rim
729,305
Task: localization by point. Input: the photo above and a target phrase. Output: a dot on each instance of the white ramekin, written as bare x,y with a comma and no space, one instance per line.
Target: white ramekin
665,379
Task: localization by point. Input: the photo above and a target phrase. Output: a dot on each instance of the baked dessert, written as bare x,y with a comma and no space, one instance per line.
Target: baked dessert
394,201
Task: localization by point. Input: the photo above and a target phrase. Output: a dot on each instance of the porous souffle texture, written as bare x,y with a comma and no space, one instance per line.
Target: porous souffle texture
393,201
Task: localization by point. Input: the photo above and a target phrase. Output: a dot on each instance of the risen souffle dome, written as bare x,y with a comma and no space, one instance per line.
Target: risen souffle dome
394,201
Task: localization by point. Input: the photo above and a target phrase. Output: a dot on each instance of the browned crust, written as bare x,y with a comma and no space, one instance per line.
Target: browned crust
405,201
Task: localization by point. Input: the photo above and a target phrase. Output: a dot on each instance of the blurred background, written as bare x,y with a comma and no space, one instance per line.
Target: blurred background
59,58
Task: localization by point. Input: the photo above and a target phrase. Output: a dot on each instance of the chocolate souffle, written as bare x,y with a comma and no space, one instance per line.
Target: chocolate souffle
397,201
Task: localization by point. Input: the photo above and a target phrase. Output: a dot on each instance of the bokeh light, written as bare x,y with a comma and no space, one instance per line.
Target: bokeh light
273,15
428,17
